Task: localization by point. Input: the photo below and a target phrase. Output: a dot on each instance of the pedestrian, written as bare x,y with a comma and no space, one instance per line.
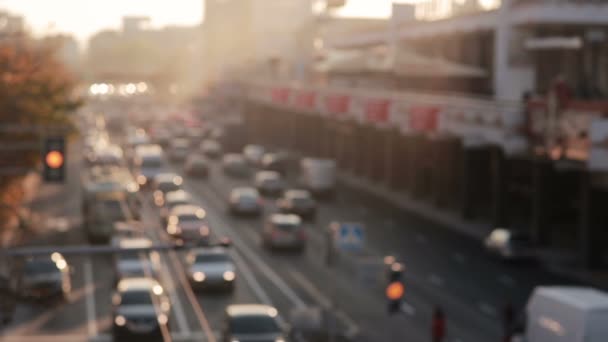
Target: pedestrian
438,325
508,315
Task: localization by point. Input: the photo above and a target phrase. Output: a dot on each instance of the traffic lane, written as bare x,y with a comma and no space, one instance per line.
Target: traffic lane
466,316
310,281
456,262
183,318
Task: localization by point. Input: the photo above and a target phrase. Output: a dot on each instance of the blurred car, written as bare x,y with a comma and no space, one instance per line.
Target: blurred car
235,165
131,261
252,322
284,231
269,182
211,148
172,200
211,268
195,135
188,224
178,150
299,202
148,163
45,278
246,201
253,154
140,308
109,155
278,162
107,209
197,166
509,244
164,183
161,136
126,229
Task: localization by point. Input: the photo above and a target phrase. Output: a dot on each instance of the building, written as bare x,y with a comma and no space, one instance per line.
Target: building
268,37
66,50
11,24
523,45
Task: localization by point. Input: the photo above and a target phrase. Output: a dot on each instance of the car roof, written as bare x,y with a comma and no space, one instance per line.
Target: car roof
267,175
293,193
135,284
210,251
285,219
178,195
187,209
136,242
251,310
245,190
166,177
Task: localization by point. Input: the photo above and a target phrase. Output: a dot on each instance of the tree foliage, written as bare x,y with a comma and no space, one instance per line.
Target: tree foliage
35,90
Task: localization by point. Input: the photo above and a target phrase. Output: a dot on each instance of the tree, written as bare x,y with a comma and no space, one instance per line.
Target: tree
35,90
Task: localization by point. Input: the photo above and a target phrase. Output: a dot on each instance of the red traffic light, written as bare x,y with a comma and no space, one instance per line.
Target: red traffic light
395,290
54,159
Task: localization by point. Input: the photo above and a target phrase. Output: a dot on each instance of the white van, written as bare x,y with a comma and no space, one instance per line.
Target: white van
567,314
318,175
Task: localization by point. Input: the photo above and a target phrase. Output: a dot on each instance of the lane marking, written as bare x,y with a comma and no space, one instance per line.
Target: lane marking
180,315
250,279
198,310
459,258
436,280
254,258
408,309
487,309
90,299
506,280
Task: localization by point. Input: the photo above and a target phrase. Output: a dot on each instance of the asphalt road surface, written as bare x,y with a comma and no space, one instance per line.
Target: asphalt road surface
442,268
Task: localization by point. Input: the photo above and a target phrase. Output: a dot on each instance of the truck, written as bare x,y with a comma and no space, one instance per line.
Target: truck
318,176
566,314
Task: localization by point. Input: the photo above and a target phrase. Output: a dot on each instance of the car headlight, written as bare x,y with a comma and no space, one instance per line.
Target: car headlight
198,276
280,339
229,276
163,319
120,320
173,230
142,180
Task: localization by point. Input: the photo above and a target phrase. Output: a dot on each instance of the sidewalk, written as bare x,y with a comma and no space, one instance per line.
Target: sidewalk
559,262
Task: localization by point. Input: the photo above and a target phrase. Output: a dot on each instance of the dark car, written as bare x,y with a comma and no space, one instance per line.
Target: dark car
269,183
172,200
197,166
235,165
284,231
252,322
187,223
278,162
211,148
140,310
46,278
299,202
164,183
211,268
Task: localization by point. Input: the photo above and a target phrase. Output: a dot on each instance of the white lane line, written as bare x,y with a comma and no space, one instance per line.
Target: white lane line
256,260
459,258
506,280
408,309
253,283
421,239
326,303
436,280
178,308
487,309
90,298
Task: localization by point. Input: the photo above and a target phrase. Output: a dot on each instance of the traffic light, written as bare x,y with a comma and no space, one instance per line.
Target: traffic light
53,159
395,290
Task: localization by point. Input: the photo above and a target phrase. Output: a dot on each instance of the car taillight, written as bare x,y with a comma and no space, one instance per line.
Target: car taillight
302,235
260,201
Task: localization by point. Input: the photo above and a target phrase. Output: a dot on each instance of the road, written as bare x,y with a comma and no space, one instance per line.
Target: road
442,268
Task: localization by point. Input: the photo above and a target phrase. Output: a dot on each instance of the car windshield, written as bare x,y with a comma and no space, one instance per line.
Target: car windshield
211,257
40,267
114,211
302,201
189,218
168,186
151,163
133,256
288,227
140,297
254,325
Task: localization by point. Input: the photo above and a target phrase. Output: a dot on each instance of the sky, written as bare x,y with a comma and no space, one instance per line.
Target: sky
85,17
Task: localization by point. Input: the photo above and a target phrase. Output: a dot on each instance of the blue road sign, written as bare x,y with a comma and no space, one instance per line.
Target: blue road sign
350,237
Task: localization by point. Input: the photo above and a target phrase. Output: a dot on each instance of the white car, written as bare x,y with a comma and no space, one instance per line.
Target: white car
509,244
253,154
211,268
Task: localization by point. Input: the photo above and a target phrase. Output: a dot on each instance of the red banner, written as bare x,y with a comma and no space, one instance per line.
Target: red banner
424,118
376,110
280,95
306,99
337,104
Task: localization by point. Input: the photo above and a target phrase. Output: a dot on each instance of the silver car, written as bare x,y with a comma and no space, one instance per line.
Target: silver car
211,268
